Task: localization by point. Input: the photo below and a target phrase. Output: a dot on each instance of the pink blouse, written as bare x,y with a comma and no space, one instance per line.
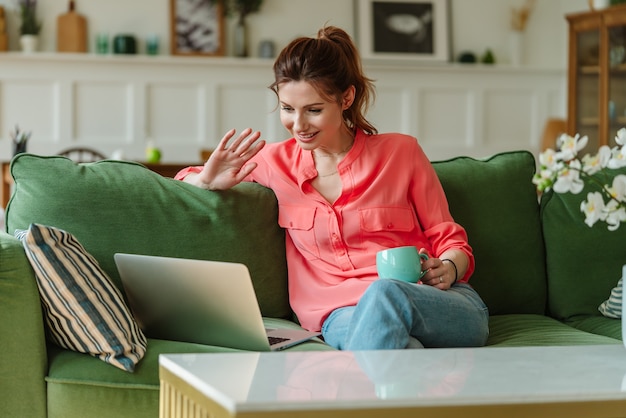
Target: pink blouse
391,197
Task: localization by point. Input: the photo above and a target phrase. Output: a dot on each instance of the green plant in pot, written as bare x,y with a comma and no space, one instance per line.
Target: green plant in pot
244,7
30,26
28,12
20,140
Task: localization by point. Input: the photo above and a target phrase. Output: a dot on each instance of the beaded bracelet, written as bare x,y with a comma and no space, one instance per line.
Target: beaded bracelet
456,272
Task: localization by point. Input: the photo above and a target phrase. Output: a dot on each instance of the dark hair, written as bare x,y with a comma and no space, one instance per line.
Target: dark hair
331,63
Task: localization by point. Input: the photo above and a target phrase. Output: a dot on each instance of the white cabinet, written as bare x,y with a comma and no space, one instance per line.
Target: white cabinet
184,104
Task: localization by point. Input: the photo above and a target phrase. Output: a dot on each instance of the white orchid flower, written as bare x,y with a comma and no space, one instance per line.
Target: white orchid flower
615,214
618,189
570,146
548,159
565,172
593,208
550,166
568,179
615,219
595,163
544,180
618,158
620,138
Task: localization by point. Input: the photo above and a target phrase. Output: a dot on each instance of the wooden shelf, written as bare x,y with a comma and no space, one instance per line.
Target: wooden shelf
590,70
590,121
228,61
619,67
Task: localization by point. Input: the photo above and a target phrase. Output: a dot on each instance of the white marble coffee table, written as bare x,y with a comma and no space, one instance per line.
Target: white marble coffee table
574,381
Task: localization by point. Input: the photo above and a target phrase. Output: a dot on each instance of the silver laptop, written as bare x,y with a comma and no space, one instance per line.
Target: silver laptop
206,302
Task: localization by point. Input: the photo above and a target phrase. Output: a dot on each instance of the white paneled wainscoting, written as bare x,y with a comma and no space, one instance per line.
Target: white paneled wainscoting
183,104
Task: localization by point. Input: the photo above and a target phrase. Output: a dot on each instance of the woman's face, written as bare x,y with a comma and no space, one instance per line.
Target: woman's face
313,121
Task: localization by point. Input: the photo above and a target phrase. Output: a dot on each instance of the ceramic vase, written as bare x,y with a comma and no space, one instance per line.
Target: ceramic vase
240,39
29,43
19,148
599,4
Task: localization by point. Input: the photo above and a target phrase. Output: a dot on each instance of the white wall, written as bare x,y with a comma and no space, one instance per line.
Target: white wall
475,24
492,108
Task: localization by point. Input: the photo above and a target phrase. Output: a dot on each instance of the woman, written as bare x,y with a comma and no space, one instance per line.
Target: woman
345,193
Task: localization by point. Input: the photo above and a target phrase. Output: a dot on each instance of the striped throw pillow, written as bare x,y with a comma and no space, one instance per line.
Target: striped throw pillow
612,307
83,309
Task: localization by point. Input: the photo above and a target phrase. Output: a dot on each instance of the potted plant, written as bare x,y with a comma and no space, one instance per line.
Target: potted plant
30,26
241,8
20,140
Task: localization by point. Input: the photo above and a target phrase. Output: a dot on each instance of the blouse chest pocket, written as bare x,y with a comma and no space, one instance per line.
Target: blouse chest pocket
299,222
387,219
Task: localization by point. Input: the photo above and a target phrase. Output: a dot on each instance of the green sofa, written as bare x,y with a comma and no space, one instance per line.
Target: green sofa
541,271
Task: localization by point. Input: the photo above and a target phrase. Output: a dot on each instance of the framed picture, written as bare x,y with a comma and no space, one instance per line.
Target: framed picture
403,29
197,27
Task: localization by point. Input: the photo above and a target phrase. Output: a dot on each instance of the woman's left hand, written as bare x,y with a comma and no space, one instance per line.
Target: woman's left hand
438,274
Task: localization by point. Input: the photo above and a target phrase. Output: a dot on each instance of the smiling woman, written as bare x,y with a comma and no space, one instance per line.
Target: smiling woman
332,182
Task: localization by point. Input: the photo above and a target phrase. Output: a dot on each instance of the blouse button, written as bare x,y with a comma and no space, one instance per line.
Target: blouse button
389,226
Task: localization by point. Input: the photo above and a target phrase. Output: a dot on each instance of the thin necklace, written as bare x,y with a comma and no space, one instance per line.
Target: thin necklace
328,175
335,154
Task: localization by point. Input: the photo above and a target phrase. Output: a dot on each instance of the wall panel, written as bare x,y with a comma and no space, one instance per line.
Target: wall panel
510,115
102,112
184,104
31,104
174,113
444,116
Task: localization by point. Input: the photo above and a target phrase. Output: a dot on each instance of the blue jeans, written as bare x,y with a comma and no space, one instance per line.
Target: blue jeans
394,314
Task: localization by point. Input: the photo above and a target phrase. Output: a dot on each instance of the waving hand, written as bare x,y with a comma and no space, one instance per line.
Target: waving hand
228,164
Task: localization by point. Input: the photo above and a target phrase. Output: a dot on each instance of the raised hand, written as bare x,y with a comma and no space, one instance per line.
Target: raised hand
228,164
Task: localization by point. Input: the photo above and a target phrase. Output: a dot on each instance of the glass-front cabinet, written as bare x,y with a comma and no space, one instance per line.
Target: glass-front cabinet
597,75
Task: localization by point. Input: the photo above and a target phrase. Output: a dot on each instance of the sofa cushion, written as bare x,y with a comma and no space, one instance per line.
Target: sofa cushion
23,360
77,381
584,263
117,206
598,324
612,307
84,311
529,330
495,200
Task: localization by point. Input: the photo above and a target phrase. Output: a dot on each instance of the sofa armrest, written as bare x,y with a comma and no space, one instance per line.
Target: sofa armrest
23,358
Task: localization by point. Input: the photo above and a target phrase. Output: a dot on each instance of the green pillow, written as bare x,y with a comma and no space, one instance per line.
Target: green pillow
83,310
584,263
495,200
118,206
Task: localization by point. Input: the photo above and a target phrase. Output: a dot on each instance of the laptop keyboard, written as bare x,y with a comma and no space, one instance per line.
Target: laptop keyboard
276,340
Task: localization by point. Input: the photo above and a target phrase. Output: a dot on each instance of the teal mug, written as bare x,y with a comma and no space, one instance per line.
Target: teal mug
401,263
